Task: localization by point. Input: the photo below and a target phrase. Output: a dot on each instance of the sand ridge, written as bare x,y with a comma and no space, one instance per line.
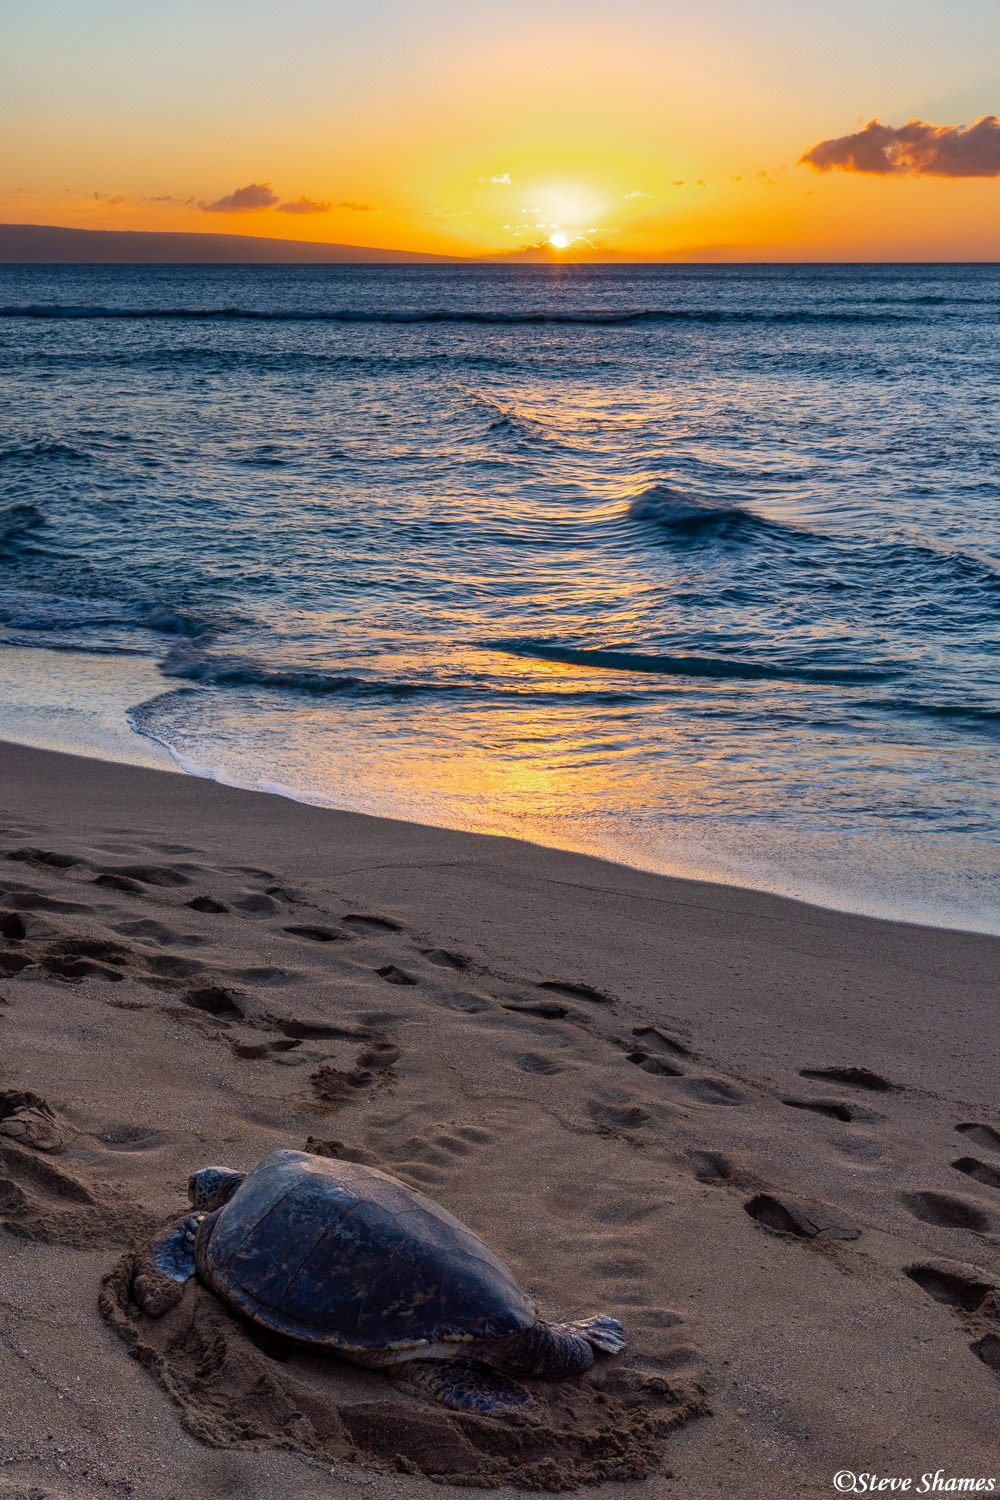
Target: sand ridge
809,1251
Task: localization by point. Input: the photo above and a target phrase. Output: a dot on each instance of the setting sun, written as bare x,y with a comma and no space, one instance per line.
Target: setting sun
559,241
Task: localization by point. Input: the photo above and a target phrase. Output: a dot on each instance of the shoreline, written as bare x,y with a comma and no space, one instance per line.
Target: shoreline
100,728
726,1117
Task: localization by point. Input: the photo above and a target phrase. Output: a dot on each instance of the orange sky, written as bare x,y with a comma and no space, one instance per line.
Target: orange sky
641,128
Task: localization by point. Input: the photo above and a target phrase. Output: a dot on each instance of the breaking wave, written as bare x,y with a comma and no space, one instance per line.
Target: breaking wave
670,507
591,318
690,666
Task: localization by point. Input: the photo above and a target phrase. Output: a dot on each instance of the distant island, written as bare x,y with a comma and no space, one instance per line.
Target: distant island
44,244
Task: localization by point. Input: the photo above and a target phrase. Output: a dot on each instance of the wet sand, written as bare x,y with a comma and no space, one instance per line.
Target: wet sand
764,1135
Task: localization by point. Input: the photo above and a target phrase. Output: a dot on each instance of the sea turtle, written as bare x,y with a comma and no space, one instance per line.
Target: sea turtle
346,1258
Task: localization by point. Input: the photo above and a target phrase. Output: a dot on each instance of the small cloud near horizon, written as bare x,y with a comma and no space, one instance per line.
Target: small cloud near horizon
305,205
111,198
916,149
169,198
637,194
357,208
501,177
243,200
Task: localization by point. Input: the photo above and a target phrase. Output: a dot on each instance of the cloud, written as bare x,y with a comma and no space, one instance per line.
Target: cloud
640,195
501,177
915,149
111,198
357,208
304,206
168,198
244,200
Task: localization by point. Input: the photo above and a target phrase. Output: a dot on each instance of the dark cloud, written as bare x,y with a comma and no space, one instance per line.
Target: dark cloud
243,200
304,206
917,148
358,208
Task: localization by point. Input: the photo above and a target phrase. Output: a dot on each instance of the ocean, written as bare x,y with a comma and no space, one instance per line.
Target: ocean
696,568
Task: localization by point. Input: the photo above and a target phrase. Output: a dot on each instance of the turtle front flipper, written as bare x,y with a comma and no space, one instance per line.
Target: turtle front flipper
464,1385
173,1253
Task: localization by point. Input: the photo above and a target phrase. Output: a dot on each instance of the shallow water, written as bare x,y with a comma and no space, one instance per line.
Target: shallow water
697,568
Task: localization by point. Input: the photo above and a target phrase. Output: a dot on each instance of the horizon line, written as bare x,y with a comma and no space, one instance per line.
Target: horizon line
311,252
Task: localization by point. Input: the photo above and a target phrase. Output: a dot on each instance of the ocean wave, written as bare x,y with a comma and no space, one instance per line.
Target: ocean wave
670,507
961,715
198,666
592,318
51,613
689,666
42,449
191,664
17,522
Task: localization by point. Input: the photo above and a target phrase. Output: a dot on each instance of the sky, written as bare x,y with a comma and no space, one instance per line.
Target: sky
648,129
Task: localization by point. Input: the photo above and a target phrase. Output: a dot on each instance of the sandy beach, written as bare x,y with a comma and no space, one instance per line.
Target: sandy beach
764,1135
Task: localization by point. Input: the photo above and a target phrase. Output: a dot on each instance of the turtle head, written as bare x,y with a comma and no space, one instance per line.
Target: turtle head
212,1187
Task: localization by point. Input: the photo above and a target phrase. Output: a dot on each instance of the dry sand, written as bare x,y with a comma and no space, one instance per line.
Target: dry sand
766,1136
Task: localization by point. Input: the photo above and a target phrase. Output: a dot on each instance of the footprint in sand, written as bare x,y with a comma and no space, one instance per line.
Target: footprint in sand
463,1001
223,1004
548,1010
952,1288
393,975
576,992
712,1091
158,875
122,883
256,905
712,1166
800,1217
855,1078
170,966
655,1065
427,1160
617,1117
981,1171
206,904
654,1039
372,1069
81,958
627,1208
444,959
833,1109
34,901
372,924
975,1301
948,1211
146,930
318,934
276,1051
981,1135
267,975
12,927
537,1062
44,858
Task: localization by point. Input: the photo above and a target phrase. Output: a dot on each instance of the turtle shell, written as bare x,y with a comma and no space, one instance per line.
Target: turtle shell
334,1253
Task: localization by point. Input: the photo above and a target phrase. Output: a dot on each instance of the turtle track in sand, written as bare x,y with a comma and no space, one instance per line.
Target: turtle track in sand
234,1389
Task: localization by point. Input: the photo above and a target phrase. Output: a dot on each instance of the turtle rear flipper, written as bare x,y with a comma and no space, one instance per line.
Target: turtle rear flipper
603,1333
464,1385
173,1253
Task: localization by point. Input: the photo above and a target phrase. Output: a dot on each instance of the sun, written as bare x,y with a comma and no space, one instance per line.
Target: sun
559,241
